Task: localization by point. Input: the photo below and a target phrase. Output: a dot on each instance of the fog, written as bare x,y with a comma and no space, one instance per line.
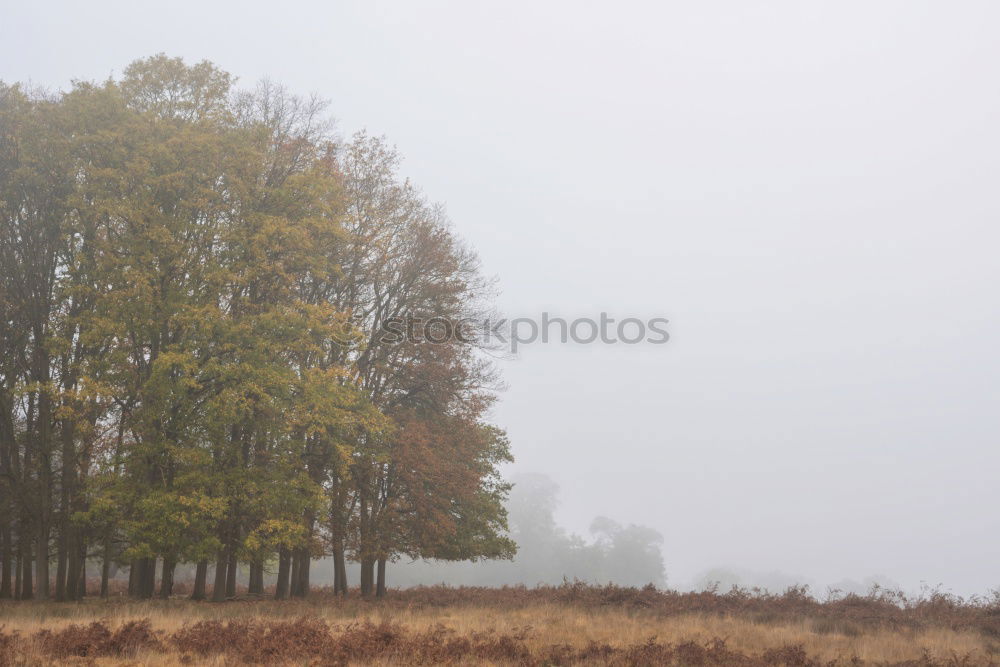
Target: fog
807,191
627,555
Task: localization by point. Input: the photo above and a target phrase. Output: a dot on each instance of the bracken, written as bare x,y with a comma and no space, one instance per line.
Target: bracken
315,642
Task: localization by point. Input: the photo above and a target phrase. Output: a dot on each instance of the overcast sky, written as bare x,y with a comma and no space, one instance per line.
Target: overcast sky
808,191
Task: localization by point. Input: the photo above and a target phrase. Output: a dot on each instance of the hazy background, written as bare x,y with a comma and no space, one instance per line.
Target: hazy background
808,191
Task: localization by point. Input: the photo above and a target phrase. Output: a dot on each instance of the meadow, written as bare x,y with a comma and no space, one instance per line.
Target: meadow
560,625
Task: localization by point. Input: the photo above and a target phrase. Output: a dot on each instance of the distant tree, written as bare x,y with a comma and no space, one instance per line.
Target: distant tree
631,554
547,554
724,579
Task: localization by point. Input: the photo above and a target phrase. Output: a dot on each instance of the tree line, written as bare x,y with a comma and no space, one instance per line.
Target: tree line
195,282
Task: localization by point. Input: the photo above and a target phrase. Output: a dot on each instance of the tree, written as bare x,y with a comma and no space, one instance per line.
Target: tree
631,554
402,262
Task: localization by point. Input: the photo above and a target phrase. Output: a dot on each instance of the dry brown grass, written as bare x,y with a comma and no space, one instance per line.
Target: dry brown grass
562,625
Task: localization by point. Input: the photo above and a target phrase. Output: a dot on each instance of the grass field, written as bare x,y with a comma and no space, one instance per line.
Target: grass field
570,624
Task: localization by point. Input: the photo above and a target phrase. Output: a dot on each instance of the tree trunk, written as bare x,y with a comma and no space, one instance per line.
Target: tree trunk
367,576
281,588
18,569
8,505
140,578
71,572
149,588
256,585
44,426
167,578
76,570
20,558
42,561
81,590
26,587
339,571
303,586
380,586
145,584
6,561
219,589
293,590
67,563
61,559
133,578
200,577
141,565
75,563
231,575
106,571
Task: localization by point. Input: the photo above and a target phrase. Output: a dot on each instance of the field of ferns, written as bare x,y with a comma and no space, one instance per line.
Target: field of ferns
572,624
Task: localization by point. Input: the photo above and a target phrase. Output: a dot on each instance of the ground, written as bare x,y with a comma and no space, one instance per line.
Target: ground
570,624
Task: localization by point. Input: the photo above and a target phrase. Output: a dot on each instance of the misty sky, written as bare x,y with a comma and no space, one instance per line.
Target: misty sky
808,191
